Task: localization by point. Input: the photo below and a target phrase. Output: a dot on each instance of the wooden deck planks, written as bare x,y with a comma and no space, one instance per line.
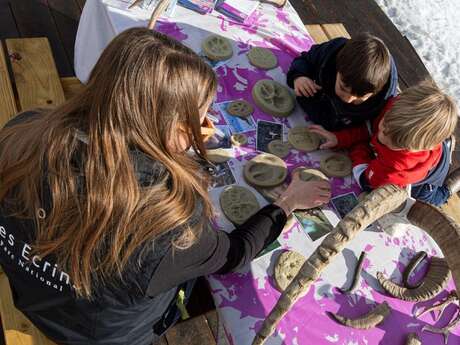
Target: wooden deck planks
8,106
8,27
66,14
37,81
17,328
71,86
81,3
194,331
335,30
316,32
34,19
366,16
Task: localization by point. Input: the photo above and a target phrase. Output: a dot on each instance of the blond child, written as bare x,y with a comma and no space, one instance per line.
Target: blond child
409,143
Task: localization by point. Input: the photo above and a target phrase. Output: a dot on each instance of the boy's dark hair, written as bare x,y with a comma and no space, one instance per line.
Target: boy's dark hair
364,64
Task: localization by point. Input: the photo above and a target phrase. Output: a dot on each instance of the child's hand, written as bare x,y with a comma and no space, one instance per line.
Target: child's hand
331,138
304,86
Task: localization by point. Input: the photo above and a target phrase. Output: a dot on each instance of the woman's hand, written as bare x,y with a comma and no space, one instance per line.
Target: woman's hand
331,138
304,86
304,195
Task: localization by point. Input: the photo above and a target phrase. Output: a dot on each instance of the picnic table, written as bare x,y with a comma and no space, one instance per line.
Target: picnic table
244,298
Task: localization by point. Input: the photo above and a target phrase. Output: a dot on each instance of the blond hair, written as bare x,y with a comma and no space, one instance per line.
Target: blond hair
143,88
422,117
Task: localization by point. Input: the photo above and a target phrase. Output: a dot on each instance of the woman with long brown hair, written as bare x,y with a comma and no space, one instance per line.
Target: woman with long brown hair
103,212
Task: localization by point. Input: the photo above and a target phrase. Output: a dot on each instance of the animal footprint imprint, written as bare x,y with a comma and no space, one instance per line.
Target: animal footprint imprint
238,204
262,58
265,170
273,98
240,108
217,48
336,165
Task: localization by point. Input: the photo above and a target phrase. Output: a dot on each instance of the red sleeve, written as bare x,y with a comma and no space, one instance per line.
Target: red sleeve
378,174
348,137
361,154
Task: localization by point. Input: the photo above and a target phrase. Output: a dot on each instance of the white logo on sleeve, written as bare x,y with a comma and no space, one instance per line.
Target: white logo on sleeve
371,173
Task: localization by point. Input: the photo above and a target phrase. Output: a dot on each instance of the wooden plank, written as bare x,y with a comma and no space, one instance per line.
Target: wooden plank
66,14
7,101
71,86
200,301
8,28
162,341
81,3
452,208
37,81
316,32
34,19
213,322
17,328
366,16
335,30
194,331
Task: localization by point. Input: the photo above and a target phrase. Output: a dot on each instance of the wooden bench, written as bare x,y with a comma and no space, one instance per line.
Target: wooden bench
29,79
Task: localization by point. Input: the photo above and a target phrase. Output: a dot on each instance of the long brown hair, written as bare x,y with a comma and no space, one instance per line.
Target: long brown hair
144,87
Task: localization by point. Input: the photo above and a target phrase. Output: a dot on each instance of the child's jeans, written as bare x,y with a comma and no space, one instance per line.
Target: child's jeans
435,195
432,189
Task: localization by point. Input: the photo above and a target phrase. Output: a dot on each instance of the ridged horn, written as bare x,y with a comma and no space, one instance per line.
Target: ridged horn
433,283
444,231
413,339
378,203
157,12
367,321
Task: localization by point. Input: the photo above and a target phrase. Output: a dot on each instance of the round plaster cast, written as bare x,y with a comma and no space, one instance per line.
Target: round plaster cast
303,139
239,139
219,155
262,58
336,165
273,98
286,268
240,108
308,174
278,148
238,204
265,170
217,48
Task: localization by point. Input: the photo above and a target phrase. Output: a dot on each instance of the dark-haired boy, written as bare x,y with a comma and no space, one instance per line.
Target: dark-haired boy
344,82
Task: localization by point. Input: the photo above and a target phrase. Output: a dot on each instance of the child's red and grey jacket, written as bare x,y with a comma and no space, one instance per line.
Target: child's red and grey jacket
374,164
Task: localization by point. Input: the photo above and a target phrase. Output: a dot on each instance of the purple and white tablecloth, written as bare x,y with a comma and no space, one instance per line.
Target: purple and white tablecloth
244,298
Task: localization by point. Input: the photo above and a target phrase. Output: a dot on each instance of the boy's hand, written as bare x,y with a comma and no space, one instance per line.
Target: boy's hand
304,86
331,138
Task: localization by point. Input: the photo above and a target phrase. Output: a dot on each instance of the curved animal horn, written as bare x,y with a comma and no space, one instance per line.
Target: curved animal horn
356,275
434,282
443,229
369,320
411,266
157,12
378,203
413,339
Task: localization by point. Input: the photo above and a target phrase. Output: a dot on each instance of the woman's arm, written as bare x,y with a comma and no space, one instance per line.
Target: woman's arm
220,252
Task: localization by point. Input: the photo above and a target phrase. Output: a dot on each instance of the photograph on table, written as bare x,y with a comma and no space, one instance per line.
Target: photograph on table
314,222
236,124
266,132
274,245
344,203
221,175
220,140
